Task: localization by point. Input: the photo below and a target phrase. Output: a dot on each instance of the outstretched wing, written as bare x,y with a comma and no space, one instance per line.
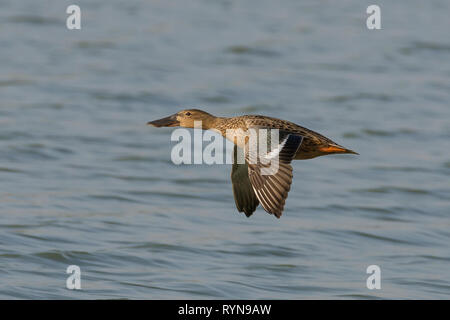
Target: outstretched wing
244,196
272,189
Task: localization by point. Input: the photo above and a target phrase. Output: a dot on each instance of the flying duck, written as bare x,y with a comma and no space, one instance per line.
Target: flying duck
250,186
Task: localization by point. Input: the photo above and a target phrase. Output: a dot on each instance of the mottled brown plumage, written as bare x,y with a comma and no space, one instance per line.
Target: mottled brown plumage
250,186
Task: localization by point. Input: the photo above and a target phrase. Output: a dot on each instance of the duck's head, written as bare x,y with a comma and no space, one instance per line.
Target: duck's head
185,118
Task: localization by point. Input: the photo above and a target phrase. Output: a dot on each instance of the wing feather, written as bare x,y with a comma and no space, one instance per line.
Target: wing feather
272,190
244,196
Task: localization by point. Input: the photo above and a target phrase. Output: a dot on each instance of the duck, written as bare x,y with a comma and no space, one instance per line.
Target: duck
250,186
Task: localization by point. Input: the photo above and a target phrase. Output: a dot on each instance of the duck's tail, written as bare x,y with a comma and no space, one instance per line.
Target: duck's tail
335,148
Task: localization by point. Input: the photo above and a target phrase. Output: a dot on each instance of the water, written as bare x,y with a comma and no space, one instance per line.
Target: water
85,182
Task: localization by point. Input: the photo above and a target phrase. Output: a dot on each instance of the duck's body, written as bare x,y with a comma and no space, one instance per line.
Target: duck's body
313,144
250,187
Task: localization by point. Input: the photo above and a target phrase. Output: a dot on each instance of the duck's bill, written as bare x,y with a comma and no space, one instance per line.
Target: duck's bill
170,121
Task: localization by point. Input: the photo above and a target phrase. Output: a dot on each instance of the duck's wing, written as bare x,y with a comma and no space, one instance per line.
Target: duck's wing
244,196
272,189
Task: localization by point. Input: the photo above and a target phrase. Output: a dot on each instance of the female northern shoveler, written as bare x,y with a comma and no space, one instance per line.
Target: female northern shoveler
250,187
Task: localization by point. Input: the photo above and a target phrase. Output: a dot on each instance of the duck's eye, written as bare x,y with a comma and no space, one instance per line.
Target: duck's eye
188,114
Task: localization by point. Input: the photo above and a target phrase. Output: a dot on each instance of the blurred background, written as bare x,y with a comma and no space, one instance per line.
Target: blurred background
84,181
